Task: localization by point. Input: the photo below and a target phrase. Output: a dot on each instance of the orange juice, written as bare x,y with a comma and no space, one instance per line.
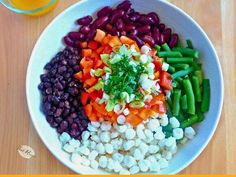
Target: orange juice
34,4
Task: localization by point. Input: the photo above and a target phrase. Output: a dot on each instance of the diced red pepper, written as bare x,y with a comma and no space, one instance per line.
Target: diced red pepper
86,62
98,64
86,52
93,45
158,64
84,98
165,80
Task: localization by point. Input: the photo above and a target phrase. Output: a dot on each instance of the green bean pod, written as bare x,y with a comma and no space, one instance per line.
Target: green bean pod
190,96
165,54
206,95
176,102
182,73
189,122
196,89
173,59
187,52
183,101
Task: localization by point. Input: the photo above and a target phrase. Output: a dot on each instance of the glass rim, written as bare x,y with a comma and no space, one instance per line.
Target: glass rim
22,11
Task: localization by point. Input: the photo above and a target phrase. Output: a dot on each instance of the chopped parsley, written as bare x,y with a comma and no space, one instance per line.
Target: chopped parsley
124,78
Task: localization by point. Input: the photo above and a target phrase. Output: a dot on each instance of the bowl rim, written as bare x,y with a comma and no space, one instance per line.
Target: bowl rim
182,13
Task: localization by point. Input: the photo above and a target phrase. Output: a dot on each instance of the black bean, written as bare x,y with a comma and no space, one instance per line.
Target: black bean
64,125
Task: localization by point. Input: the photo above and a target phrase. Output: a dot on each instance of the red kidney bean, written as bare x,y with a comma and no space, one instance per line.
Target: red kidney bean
148,39
167,34
125,5
156,30
91,34
115,32
173,40
120,25
134,16
84,29
85,20
123,33
100,22
154,17
133,32
116,15
108,28
156,37
161,27
146,20
104,11
126,19
130,11
74,36
139,41
143,29
129,27
162,39
68,41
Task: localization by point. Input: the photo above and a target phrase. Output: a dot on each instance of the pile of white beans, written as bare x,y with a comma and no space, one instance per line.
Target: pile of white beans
122,149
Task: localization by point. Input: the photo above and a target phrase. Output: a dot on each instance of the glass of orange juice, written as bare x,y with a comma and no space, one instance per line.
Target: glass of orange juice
30,7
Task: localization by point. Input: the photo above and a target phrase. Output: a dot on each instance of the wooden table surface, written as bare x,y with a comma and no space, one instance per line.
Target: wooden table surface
18,35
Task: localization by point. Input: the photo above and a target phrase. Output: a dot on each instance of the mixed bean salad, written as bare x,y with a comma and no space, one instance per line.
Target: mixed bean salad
124,93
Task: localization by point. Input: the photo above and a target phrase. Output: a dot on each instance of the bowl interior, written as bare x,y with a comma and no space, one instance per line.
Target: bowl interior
50,43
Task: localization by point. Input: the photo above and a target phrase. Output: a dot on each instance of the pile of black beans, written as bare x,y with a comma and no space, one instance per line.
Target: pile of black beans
123,20
61,93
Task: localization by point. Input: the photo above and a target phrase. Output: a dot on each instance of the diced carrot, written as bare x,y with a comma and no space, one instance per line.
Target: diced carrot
91,81
79,75
126,40
94,55
86,52
90,90
157,99
86,62
111,113
134,120
99,107
93,45
133,111
99,35
93,117
88,109
100,49
114,41
106,39
84,98
144,114
83,45
98,64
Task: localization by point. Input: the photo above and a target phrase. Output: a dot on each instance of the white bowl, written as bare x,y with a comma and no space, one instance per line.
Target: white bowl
50,43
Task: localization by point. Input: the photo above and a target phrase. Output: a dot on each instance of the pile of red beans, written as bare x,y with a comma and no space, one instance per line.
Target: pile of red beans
61,92
123,20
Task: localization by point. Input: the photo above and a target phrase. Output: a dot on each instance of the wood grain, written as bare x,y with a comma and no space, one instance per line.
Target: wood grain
18,35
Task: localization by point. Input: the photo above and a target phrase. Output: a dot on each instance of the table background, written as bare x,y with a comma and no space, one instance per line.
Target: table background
18,35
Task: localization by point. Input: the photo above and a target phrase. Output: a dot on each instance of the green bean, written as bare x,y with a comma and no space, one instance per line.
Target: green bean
176,102
190,96
199,112
196,89
169,112
199,75
206,95
165,54
189,122
196,66
169,101
172,60
175,84
182,73
179,80
187,52
183,101
158,48
181,116
189,43
165,47
180,66
171,69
